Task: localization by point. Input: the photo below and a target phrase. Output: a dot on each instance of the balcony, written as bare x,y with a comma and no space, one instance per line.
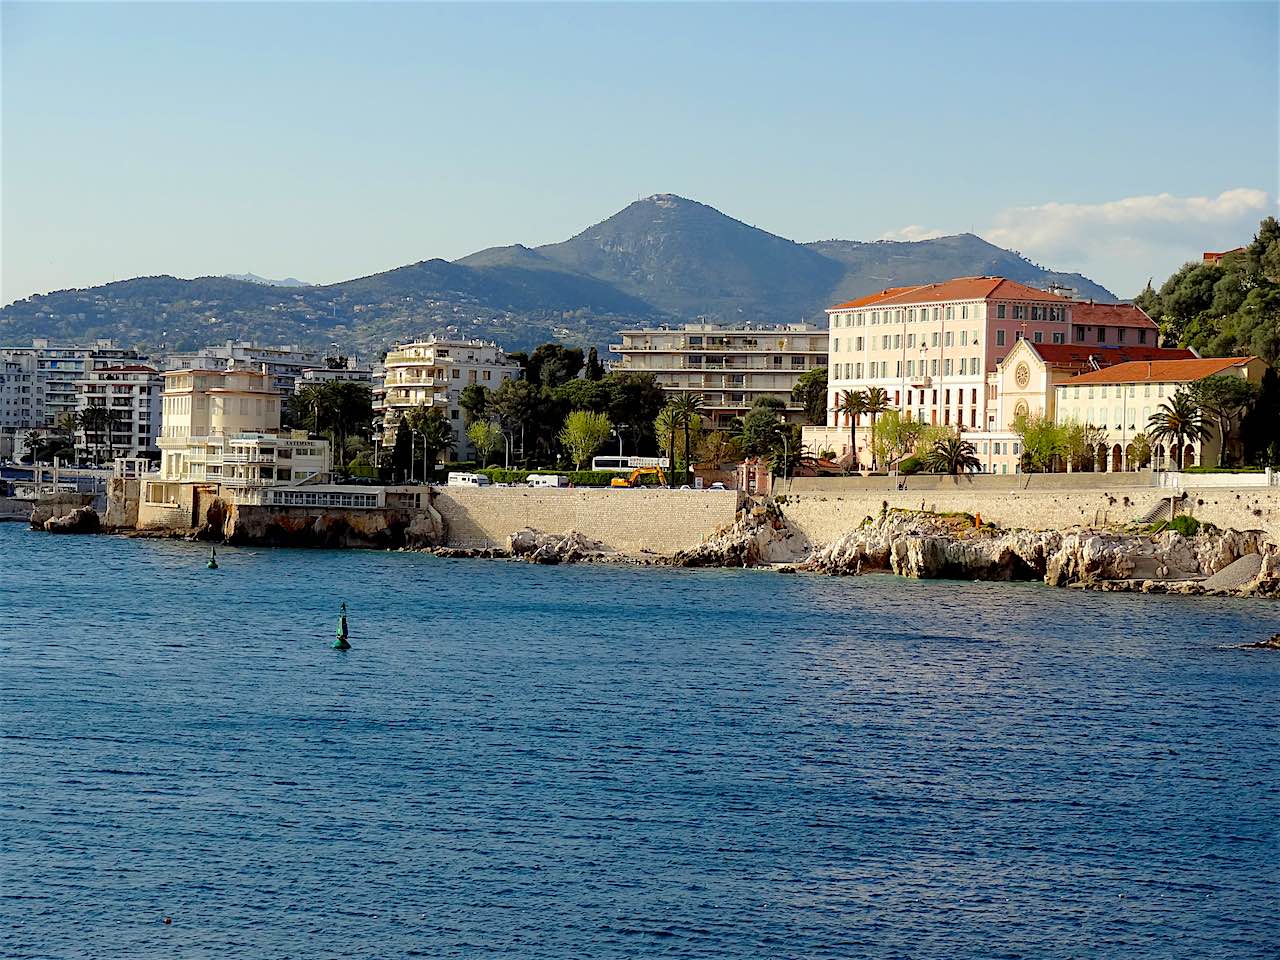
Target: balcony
921,381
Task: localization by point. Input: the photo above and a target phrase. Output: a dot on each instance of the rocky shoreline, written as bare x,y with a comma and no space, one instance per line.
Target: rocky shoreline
908,543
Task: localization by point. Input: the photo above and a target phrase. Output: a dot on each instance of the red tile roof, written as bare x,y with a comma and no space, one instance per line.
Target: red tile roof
1110,315
1082,354
1159,371
961,288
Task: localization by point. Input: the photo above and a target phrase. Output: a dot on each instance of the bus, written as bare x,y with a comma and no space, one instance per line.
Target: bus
628,464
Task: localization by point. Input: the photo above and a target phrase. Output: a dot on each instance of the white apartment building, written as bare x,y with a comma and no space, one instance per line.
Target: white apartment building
730,367
286,363
434,372
56,372
132,392
223,427
351,373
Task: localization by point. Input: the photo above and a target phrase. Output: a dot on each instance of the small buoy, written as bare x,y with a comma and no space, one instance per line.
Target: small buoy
168,921
213,558
340,643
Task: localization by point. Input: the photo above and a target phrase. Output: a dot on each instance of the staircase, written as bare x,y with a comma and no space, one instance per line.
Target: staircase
1160,511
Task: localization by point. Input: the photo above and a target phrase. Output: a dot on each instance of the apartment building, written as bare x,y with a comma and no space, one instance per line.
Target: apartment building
434,372
132,393
286,364
56,372
730,367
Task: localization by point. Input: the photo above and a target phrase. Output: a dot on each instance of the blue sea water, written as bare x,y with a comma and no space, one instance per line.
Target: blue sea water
585,761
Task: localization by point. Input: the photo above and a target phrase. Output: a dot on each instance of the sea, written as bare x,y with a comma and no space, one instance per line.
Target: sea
607,762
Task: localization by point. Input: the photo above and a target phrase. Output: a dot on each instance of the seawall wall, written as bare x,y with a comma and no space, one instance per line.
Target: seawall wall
822,517
632,521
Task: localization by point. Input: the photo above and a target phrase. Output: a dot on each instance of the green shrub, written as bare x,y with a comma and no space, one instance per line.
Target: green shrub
911,465
579,478
1202,469
1187,526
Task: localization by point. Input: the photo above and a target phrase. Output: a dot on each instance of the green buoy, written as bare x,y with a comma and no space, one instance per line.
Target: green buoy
213,558
341,642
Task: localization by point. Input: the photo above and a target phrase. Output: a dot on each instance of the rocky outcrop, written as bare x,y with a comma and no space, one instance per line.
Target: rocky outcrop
246,524
80,520
930,546
758,536
572,547
57,505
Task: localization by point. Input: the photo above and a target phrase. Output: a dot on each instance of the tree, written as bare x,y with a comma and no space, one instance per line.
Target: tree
94,420
1043,442
434,432
896,436
1140,450
33,442
595,369
402,452
852,404
553,364
486,436
340,409
519,407
877,403
1226,399
1179,421
634,401
717,447
474,401
687,408
1260,429
952,455
583,434
811,391
667,426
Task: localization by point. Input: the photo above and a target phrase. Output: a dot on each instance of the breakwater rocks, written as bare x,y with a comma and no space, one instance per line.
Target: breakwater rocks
758,536
572,547
79,520
938,546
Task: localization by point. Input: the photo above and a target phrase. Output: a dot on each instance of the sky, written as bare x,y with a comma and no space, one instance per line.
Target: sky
332,140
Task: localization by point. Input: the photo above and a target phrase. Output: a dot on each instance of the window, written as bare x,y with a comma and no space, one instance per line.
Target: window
911,340
964,312
884,342
1079,334
1039,337
859,344
1058,338
964,338
1000,311
857,371
949,338
951,313
934,339
933,367
947,367
1142,336
999,338
1102,334
897,341
1120,335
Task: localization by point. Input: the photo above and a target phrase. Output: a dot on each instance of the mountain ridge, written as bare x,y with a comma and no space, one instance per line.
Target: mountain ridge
661,259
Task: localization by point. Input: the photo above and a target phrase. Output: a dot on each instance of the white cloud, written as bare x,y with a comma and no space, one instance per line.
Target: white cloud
1121,243
913,232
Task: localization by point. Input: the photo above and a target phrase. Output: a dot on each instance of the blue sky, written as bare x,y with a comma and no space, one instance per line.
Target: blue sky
326,140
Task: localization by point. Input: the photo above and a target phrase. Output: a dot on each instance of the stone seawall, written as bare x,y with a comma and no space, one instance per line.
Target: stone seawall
823,518
631,521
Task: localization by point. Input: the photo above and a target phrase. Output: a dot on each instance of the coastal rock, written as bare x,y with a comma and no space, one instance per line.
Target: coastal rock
758,536
81,520
426,529
572,547
57,505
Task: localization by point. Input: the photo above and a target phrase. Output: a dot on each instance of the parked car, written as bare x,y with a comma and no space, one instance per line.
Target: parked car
547,480
717,486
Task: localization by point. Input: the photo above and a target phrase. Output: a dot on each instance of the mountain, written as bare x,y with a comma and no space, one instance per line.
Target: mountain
886,263
661,259
254,278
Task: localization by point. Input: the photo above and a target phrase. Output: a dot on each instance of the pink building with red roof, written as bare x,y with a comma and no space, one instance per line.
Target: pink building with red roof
934,348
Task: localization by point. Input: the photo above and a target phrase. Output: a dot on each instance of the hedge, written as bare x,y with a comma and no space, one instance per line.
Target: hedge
579,478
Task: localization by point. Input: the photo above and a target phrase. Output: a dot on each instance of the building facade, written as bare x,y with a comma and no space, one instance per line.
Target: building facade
285,364
132,393
434,373
1120,400
729,367
935,350
223,427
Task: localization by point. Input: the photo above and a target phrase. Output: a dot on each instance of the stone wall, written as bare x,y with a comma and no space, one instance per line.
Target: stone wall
630,520
123,496
824,517
982,482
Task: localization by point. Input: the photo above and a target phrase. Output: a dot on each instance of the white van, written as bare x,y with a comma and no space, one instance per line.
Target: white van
468,480
547,480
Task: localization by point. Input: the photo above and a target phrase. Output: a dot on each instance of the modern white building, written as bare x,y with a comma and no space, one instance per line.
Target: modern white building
56,372
131,392
434,372
729,367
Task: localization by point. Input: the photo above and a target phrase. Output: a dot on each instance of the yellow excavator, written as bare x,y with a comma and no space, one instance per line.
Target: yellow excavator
636,474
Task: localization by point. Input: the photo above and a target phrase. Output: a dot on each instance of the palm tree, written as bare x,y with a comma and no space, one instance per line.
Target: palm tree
853,404
667,425
34,442
1179,421
877,402
94,420
435,431
111,422
309,404
688,407
952,455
